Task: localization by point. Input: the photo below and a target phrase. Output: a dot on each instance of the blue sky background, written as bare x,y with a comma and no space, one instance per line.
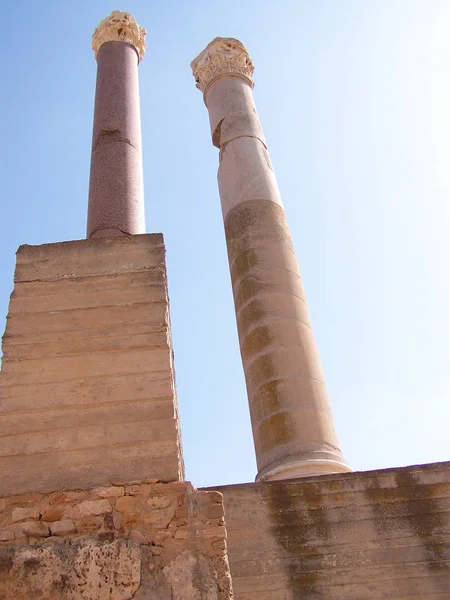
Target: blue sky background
354,98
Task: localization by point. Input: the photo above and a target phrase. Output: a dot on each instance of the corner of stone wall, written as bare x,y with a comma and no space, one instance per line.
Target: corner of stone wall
127,540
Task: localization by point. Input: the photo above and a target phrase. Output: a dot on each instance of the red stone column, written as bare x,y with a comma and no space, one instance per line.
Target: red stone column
116,189
293,427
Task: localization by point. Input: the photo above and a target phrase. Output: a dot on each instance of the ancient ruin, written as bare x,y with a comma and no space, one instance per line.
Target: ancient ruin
93,498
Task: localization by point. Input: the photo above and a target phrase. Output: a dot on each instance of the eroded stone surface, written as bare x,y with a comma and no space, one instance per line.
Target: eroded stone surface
74,571
178,533
191,576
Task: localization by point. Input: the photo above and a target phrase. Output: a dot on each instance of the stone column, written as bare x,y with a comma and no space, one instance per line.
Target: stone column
293,427
116,189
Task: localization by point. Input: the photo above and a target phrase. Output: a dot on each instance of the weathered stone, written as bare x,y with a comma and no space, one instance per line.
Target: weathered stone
223,578
125,504
296,438
87,335
137,536
133,490
219,544
179,523
215,511
80,571
159,501
106,536
72,496
181,512
151,525
117,519
127,482
62,528
159,519
23,514
192,577
88,508
380,534
108,521
216,497
131,520
89,524
208,497
55,540
162,535
54,513
34,528
109,492
6,534
24,498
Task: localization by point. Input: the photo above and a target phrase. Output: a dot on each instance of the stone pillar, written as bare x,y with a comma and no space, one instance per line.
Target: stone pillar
116,189
293,427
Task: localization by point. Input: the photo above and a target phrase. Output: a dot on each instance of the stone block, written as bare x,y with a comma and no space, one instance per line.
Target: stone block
62,528
379,534
87,393
53,513
125,504
6,534
34,528
89,508
109,492
23,514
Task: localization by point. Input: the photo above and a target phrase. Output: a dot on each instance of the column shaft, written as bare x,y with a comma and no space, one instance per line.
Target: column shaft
293,428
116,189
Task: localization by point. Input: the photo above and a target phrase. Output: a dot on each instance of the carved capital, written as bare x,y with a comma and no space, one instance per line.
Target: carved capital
119,27
222,57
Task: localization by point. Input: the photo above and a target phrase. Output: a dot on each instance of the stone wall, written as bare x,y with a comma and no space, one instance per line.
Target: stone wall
87,393
165,541
358,536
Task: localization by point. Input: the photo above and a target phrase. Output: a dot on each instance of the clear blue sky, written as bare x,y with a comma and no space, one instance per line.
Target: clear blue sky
354,98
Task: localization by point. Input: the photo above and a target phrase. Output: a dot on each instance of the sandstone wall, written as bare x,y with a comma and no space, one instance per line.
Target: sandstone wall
87,392
159,541
358,536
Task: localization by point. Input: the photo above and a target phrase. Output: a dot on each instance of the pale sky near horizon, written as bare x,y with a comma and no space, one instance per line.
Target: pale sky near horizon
354,99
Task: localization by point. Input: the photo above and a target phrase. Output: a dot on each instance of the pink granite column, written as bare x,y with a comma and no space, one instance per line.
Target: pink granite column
293,427
116,190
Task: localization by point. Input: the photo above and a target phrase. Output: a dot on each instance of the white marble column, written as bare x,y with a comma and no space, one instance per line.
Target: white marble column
293,427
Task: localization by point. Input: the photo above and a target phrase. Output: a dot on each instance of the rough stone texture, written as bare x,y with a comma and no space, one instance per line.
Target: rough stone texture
356,536
116,188
186,571
87,392
168,544
79,571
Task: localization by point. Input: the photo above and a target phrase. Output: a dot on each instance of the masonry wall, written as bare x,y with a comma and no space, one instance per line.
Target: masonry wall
358,536
87,393
165,541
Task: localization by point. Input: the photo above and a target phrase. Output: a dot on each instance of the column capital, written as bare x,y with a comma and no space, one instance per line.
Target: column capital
119,27
220,58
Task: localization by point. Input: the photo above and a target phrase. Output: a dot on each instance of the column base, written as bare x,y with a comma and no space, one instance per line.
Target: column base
303,468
